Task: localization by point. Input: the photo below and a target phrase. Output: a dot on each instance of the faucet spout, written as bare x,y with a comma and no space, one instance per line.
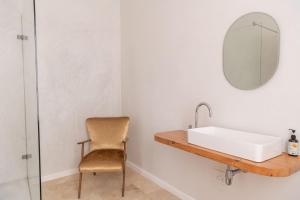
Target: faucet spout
197,108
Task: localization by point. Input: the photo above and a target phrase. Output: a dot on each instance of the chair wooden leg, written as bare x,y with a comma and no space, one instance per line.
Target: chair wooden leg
79,188
123,185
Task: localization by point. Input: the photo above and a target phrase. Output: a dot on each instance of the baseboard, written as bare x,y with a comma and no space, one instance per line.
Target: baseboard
158,181
61,174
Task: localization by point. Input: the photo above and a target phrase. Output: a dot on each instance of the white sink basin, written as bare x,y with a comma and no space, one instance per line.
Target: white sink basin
250,146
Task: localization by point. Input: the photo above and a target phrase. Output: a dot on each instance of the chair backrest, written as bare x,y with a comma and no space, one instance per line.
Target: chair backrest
107,133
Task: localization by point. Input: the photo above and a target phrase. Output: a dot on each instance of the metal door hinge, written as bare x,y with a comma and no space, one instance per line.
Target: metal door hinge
22,37
26,156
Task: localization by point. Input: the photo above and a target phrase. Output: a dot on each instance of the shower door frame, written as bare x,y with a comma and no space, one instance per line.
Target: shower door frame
37,95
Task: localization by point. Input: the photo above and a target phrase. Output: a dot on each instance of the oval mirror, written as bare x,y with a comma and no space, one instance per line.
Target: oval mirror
251,51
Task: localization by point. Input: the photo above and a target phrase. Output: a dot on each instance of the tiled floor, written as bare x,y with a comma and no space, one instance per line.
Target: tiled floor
105,187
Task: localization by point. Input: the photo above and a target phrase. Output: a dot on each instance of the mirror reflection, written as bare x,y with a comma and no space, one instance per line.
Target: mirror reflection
251,51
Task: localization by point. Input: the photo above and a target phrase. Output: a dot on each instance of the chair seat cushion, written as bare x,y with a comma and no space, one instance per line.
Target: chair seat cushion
106,160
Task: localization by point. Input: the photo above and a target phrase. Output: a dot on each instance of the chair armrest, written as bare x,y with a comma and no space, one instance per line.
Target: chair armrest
85,141
125,140
82,146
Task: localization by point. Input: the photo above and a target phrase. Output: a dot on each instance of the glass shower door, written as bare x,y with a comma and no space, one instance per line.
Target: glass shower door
12,110
19,138
31,98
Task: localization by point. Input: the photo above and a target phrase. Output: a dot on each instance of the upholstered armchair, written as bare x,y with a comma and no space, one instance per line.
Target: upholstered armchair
107,139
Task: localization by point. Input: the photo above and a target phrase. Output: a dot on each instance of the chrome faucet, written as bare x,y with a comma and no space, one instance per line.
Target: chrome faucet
196,113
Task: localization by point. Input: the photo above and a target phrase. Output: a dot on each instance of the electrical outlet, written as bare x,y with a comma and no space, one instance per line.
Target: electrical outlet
221,173
221,178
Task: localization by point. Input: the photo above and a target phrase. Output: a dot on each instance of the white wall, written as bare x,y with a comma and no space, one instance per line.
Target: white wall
172,60
79,74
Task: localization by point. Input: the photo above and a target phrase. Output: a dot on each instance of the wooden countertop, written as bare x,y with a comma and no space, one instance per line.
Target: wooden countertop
281,166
